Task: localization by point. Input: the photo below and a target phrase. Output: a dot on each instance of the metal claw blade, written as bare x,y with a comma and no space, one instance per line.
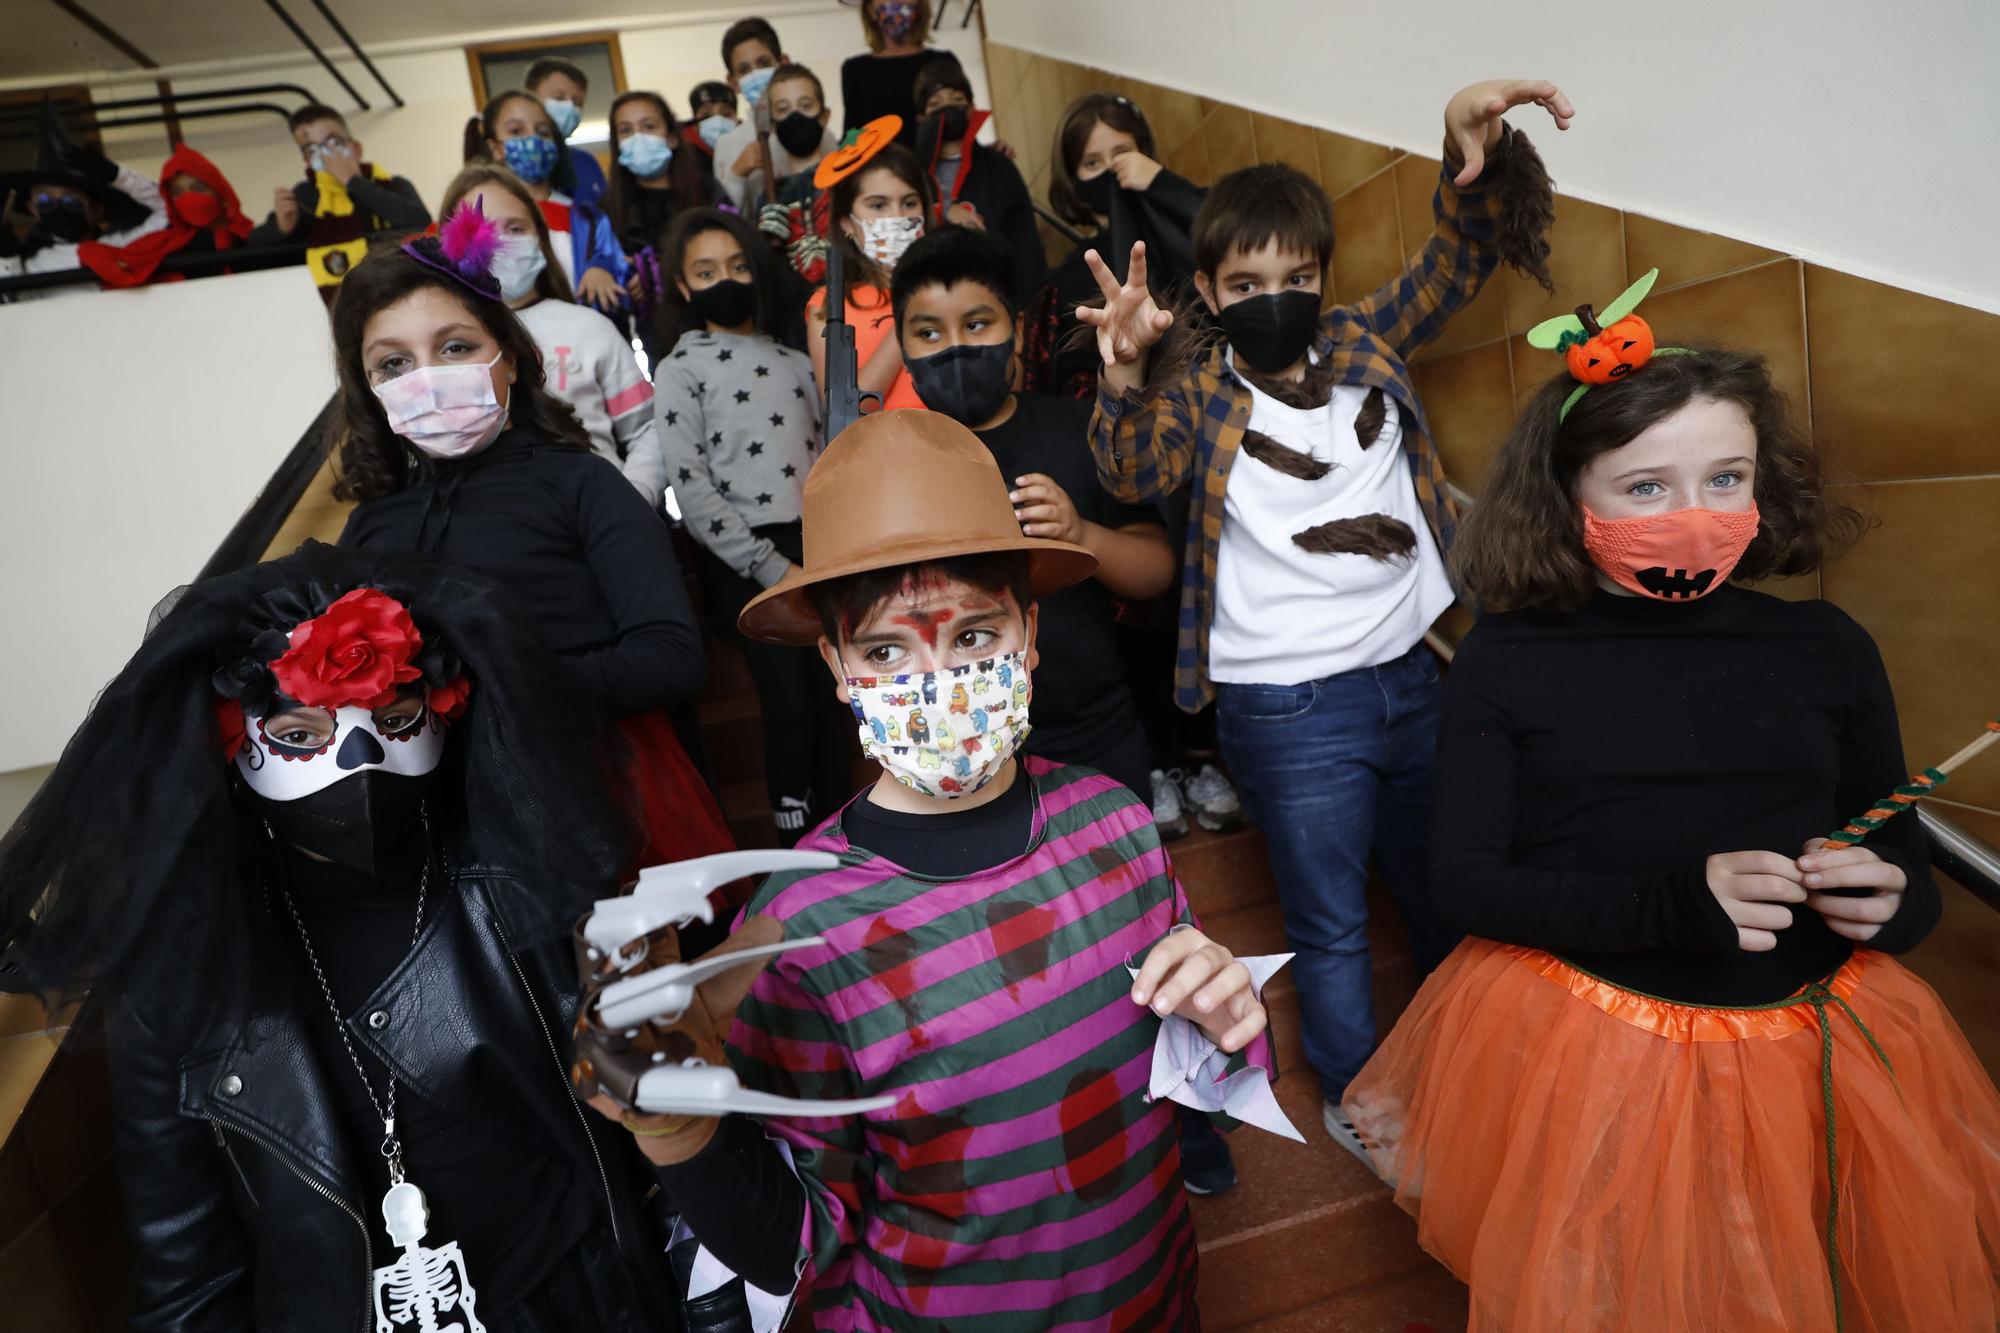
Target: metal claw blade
714,1090
666,992
669,895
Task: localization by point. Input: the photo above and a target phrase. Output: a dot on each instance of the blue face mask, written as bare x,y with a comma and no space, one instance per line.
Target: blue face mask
712,129
753,84
645,155
532,158
566,115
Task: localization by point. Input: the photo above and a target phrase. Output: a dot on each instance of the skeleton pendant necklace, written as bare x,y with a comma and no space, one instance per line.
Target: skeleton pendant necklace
426,1283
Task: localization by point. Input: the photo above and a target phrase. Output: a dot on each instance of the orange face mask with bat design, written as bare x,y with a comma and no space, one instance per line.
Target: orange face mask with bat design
1673,557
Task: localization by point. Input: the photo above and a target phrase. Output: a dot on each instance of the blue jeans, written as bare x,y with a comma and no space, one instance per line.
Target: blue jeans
1332,771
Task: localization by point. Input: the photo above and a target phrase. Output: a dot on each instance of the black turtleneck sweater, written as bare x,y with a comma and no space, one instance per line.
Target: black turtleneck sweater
569,536
1589,763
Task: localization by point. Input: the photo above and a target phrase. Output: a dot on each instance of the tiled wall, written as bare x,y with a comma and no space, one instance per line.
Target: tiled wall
1902,391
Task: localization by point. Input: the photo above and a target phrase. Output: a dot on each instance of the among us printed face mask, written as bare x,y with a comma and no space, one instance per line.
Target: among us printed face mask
944,733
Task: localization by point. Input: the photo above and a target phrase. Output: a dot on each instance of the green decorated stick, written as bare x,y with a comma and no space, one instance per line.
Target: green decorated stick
1919,786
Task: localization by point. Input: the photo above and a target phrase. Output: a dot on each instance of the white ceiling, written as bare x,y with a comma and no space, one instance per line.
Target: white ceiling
38,38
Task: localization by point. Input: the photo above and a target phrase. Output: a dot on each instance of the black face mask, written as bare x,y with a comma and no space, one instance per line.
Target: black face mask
364,822
968,383
1098,191
799,133
69,220
1272,331
727,303
951,122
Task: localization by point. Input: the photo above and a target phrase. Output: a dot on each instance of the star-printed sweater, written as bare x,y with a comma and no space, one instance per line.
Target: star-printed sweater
739,423
1022,1179
588,364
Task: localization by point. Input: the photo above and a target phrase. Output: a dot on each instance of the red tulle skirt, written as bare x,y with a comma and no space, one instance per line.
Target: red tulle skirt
1587,1158
678,813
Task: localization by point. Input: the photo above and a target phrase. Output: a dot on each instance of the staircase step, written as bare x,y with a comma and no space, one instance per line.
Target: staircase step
1424,1300
1222,871
1306,1223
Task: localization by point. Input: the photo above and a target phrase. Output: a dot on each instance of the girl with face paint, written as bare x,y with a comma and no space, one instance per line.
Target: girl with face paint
454,448
516,131
305,895
1637,758
878,211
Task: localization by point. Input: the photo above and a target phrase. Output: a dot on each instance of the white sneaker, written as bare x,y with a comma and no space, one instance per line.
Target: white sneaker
1214,800
1342,1131
1167,811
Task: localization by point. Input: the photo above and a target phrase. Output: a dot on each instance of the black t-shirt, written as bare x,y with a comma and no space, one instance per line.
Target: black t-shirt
950,845
1589,763
1082,706
873,86
514,1206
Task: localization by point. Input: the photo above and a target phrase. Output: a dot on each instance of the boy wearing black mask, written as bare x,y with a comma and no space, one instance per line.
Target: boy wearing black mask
976,185
1315,560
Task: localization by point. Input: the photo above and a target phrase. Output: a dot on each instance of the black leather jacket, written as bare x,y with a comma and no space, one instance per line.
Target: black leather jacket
244,1202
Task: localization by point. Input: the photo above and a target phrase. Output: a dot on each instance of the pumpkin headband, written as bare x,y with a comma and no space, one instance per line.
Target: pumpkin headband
1602,348
855,151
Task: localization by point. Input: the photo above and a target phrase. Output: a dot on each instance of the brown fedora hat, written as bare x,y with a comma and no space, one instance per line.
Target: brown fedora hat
901,488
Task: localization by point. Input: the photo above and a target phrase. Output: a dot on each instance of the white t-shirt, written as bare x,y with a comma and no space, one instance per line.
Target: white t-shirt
1283,615
588,364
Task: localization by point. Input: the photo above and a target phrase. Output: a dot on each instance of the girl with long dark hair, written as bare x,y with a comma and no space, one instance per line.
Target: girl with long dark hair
877,209
315,854
655,176
450,440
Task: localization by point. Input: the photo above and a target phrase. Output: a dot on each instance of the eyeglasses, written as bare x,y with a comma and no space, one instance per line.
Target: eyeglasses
332,143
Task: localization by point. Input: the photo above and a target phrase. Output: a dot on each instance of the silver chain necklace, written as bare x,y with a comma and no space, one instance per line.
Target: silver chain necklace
425,1281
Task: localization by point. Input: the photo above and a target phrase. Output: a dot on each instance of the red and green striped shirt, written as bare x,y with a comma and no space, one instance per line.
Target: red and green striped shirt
1021,1180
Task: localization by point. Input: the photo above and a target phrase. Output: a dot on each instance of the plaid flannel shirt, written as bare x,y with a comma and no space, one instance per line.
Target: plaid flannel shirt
1150,444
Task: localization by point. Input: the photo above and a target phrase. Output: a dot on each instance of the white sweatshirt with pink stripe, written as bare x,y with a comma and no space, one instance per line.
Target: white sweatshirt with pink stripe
590,366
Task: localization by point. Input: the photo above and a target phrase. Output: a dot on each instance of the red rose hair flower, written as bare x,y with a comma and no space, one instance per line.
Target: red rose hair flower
357,653
448,700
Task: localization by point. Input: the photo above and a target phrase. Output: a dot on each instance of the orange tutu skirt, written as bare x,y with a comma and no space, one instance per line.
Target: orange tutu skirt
1587,1158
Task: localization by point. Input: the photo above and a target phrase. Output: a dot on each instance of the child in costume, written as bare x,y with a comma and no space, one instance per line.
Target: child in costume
740,423
454,449
203,217
1317,528
562,87
586,362
1677,1082
315,854
877,199
516,131
978,929
340,204
976,185
77,198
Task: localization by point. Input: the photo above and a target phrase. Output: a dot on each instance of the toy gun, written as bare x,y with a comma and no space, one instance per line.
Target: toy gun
649,1034
843,363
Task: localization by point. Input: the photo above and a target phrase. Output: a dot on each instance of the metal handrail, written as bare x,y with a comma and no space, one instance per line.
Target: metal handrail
286,252
25,110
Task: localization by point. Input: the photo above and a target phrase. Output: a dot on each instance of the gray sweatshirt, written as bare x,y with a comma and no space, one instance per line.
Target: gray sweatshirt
740,426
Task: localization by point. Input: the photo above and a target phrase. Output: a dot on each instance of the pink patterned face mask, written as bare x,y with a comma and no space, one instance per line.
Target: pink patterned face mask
445,411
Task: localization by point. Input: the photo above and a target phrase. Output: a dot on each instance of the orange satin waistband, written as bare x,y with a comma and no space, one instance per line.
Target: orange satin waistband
1692,1022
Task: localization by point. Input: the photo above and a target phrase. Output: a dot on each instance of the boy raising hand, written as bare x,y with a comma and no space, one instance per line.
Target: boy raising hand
1318,526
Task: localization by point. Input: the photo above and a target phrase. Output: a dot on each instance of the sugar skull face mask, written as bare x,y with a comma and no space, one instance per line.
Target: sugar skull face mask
944,733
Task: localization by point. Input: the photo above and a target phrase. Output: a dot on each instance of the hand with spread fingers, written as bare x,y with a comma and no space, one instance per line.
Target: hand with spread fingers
1472,118
1858,917
1189,975
1129,322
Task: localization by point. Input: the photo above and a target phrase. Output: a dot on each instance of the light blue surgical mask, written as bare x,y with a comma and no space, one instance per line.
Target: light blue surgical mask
753,84
567,115
517,264
712,128
645,155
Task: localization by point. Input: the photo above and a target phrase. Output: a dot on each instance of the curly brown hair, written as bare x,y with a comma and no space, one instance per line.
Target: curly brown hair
371,459
1521,547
